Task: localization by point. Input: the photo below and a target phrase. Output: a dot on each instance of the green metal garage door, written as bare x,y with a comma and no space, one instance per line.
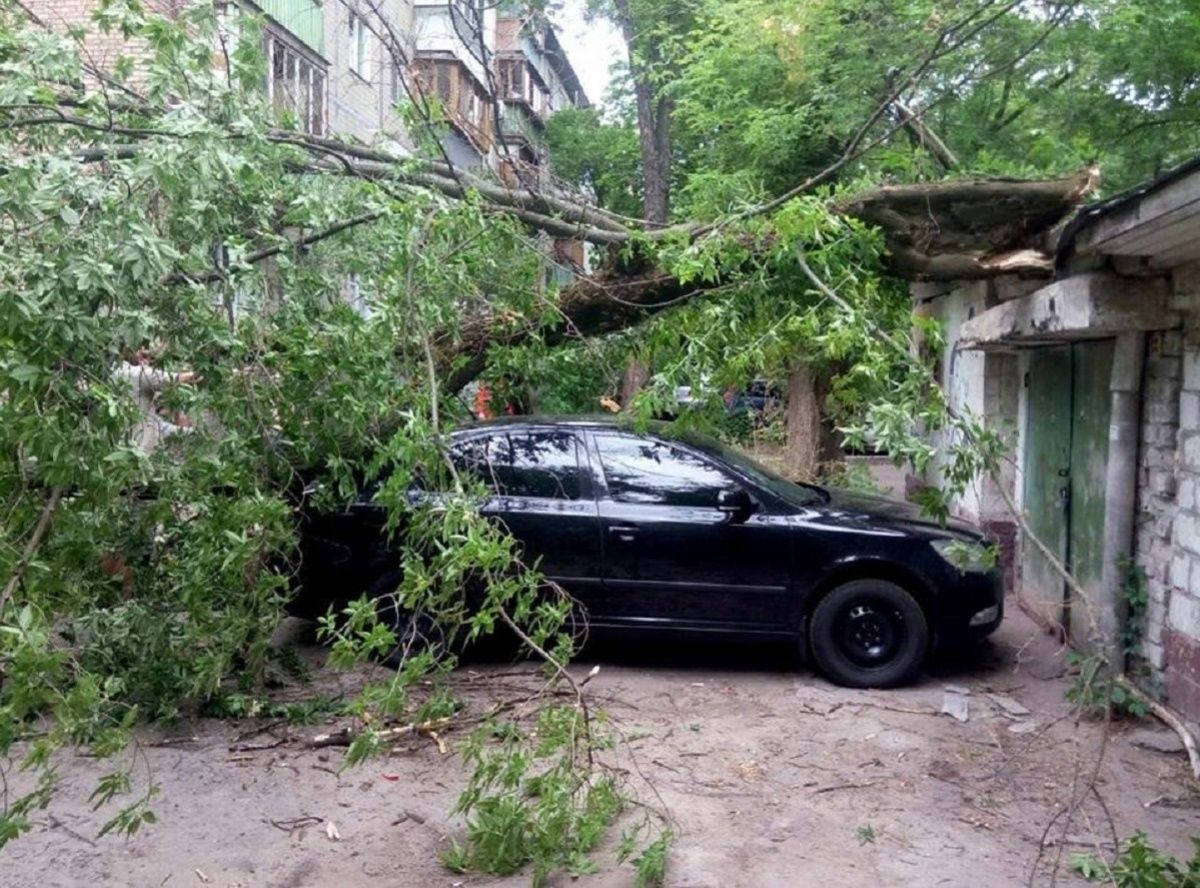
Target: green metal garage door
1066,461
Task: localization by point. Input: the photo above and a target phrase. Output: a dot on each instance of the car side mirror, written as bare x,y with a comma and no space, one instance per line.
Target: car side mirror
736,504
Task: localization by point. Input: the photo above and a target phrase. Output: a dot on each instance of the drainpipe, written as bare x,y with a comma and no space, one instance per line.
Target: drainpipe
1121,494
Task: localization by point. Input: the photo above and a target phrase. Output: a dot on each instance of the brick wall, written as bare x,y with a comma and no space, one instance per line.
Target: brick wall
1180,630
99,49
1156,481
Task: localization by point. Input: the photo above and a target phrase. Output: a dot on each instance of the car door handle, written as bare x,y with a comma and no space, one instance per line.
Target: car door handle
624,532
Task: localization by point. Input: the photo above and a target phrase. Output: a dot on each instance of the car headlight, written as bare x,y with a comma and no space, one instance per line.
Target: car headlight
966,555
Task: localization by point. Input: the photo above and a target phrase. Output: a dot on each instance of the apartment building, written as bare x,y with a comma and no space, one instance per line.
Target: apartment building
340,67
534,79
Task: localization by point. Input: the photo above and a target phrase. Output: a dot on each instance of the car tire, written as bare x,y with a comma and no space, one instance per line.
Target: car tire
869,634
415,632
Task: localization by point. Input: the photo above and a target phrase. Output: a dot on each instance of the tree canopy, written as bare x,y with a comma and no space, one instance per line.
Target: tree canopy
766,93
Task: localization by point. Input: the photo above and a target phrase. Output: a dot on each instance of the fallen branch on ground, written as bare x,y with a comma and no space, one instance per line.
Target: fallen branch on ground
346,736
1170,719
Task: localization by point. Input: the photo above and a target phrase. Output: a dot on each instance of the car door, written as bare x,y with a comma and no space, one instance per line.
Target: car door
542,492
671,557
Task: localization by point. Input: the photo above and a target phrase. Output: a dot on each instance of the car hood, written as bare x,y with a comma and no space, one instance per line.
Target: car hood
892,511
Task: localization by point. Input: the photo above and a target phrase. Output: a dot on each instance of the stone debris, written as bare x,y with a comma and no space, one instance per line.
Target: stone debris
954,702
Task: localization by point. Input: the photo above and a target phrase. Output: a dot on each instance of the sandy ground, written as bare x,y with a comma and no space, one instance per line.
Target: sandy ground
772,775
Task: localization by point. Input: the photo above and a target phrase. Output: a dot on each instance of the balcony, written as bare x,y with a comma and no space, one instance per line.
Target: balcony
301,18
516,123
464,101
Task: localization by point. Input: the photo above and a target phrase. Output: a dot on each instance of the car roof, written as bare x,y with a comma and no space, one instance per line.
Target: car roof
597,420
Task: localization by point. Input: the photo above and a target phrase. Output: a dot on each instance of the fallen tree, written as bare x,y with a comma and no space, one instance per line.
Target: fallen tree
145,584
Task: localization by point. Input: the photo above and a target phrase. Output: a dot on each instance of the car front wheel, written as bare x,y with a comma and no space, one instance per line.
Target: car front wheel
869,634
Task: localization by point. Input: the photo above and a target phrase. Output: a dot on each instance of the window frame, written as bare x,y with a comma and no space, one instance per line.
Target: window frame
313,115
360,46
604,490
487,437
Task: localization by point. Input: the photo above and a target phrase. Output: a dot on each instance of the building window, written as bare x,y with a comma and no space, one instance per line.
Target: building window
464,101
360,46
512,78
468,12
396,87
296,84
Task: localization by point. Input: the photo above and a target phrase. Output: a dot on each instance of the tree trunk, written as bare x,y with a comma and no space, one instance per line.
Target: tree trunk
803,453
811,439
637,374
654,125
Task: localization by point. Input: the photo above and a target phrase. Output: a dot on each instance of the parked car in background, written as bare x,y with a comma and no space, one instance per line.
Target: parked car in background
760,399
656,535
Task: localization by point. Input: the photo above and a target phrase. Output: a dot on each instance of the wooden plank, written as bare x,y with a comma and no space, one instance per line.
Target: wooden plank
1151,239
1180,255
1091,407
1140,212
1047,436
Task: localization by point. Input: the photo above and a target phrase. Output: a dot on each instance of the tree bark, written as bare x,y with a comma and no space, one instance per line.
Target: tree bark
654,125
803,421
812,441
637,374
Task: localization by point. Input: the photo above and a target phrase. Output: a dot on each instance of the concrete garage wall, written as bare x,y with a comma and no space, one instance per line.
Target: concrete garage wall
1176,622
986,384
960,373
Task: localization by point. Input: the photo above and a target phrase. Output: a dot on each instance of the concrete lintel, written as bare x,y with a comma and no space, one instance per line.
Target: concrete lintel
1085,306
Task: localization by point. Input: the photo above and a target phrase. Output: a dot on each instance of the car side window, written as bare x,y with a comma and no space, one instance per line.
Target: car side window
470,458
537,464
648,472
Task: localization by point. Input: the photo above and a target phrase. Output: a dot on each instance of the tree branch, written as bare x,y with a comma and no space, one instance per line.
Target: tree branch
31,547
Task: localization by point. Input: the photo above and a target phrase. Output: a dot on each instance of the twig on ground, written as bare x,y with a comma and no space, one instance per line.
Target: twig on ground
346,736
838,786
295,823
256,747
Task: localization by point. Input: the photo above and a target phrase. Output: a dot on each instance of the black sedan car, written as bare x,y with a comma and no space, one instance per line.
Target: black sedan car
654,533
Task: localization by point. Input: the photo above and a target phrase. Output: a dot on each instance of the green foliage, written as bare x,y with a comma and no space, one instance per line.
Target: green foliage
156,578
1097,692
534,799
1137,600
1140,865
602,156
850,476
651,864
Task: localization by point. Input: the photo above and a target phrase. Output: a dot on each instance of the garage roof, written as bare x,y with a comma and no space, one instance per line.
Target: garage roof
1157,222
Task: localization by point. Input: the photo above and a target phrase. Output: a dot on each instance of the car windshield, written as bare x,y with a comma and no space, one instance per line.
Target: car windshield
792,491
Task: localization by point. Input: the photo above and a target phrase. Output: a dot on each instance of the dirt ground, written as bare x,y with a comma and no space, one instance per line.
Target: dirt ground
773,777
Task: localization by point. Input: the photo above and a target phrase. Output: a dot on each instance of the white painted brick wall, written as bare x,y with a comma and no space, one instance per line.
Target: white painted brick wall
1184,612
1184,579
1158,484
